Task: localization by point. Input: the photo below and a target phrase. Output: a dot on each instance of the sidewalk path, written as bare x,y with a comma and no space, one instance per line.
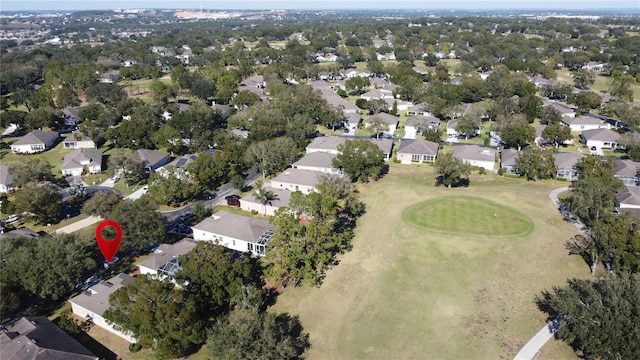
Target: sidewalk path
78,225
531,349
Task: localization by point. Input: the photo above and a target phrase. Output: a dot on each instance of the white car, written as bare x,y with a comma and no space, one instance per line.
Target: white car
145,189
11,218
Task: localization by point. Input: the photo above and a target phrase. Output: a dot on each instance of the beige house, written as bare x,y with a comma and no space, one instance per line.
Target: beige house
417,151
390,120
304,181
317,161
237,232
82,162
250,203
476,155
78,141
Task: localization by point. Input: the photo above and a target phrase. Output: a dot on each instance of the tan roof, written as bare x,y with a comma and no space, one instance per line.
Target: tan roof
37,137
96,298
418,146
235,226
316,159
299,177
166,252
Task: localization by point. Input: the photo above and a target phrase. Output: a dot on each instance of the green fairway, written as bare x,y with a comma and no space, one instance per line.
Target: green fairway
468,216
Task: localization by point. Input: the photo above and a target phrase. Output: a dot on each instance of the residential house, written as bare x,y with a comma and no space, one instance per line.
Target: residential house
628,199
92,303
250,203
223,110
237,232
6,179
567,165
508,160
377,94
153,159
35,142
418,110
110,77
539,140
385,145
181,164
584,123
256,85
476,155
598,139
417,151
304,181
415,125
564,110
453,134
317,161
164,263
328,144
352,120
328,57
36,337
390,120
71,116
78,140
627,171
339,103
82,162
385,57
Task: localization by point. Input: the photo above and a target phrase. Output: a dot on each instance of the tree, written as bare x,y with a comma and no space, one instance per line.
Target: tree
357,84
43,117
596,316
450,171
585,101
631,142
535,164
434,135
593,194
583,78
161,92
272,156
47,267
140,222
159,315
468,126
101,203
34,169
219,280
377,106
197,125
42,201
620,86
246,98
617,243
377,125
517,133
249,335
264,196
203,88
557,133
128,163
360,159
105,93
173,186
13,117
550,115
531,106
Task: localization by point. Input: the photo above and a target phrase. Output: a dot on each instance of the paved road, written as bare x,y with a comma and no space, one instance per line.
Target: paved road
531,348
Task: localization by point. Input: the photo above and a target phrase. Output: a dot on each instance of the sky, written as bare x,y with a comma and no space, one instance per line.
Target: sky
11,5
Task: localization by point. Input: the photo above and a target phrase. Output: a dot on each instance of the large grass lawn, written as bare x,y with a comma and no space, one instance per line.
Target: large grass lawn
467,216
407,292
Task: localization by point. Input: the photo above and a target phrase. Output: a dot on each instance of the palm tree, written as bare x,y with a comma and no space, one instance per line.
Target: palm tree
264,196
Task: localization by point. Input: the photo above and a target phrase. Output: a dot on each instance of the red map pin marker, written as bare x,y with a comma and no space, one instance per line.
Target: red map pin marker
109,248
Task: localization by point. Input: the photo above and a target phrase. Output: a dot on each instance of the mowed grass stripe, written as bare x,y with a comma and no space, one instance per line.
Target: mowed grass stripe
468,216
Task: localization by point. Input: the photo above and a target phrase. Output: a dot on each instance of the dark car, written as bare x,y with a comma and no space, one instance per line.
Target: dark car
232,197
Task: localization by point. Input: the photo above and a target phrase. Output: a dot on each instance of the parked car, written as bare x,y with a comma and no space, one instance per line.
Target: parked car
232,197
145,189
11,218
233,202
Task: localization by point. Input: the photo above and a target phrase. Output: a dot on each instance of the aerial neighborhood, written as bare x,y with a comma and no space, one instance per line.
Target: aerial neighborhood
291,184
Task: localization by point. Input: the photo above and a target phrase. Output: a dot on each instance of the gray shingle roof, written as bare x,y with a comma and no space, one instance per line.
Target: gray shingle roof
76,159
37,338
508,157
418,146
317,159
626,168
299,177
384,117
282,197
629,195
326,143
581,120
601,135
5,175
474,152
166,252
151,157
37,137
235,226
566,160
96,298
424,121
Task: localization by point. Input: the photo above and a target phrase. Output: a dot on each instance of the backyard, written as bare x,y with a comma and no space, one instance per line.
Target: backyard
407,290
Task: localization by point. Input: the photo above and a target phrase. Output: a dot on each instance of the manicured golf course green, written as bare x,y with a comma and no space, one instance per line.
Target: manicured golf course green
467,216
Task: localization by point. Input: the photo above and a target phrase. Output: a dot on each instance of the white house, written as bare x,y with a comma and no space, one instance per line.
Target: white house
82,162
418,110
304,181
415,125
417,151
390,120
584,123
92,303
6,179
564,111
164,262
237,232
35,142
317,161
627,171
476,155
78,140
153,159
628,198
328,144
597,139
250,203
